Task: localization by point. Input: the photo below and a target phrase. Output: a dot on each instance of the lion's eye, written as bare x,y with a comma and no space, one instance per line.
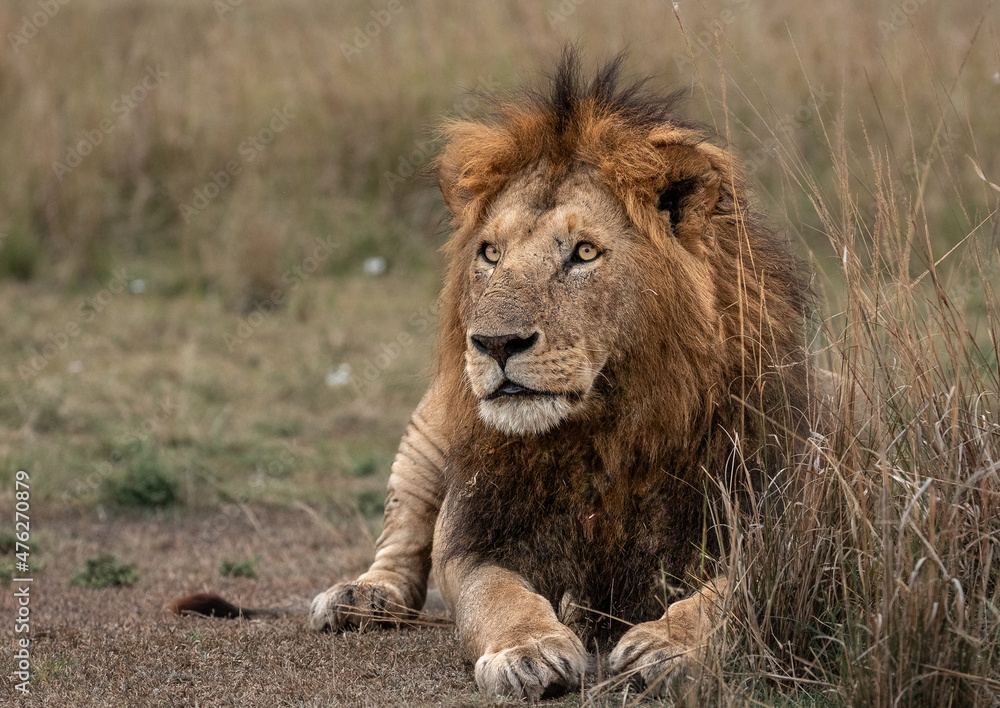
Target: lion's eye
491,253
585,252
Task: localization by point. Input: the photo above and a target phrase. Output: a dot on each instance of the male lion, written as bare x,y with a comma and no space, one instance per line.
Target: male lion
613,319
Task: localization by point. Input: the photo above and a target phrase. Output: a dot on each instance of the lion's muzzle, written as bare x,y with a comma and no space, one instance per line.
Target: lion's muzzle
522,387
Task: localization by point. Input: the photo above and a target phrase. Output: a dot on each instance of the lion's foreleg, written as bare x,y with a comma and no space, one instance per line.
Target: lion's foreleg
520,647
396,583
659,650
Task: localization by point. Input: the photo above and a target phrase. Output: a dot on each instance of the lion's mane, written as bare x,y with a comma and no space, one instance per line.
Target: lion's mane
602,506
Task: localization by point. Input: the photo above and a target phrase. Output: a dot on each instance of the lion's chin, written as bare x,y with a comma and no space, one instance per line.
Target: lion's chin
525,415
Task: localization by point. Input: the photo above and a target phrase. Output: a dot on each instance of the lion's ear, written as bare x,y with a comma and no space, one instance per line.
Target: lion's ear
456,196
688,191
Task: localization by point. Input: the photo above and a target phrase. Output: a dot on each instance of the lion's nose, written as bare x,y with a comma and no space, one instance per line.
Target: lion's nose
503,347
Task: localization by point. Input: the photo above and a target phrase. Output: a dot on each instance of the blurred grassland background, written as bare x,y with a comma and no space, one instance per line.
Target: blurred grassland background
822,101
818,99
229,299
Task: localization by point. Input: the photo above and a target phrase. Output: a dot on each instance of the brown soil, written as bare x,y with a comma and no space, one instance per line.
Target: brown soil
119,647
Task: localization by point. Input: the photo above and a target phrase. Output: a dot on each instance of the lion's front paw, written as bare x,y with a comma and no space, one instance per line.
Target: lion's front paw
648,650
539,668
357,605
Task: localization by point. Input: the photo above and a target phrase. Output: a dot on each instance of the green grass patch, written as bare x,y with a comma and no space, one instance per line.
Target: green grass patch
289,428
6,573
7,543
145,484
52,669
239,569
48,418
365,467
20,253
106,571
370,502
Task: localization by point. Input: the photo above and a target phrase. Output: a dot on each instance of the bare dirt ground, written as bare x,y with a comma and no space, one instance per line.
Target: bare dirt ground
118,646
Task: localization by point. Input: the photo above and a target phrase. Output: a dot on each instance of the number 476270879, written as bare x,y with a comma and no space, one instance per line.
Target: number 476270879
22,524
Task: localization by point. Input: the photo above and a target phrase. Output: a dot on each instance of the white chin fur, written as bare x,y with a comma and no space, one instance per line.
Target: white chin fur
525,415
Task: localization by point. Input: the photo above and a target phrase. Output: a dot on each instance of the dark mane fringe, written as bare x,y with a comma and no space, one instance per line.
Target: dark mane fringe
632,102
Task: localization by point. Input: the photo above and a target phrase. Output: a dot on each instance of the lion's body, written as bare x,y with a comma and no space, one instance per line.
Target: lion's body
614,318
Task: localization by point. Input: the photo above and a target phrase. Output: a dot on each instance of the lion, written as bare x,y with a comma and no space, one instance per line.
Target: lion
614,317
615,322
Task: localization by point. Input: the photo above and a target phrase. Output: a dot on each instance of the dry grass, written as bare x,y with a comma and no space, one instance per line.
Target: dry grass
879,585
872,132
343,164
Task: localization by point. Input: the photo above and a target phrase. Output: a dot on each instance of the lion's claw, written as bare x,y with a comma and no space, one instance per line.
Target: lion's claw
659,661
357,605
540,668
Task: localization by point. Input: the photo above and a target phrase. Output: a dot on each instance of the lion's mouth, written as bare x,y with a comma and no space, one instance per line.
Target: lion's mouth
509,388
515,409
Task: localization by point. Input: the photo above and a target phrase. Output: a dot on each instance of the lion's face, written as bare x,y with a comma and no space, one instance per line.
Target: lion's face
602,269
551,283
